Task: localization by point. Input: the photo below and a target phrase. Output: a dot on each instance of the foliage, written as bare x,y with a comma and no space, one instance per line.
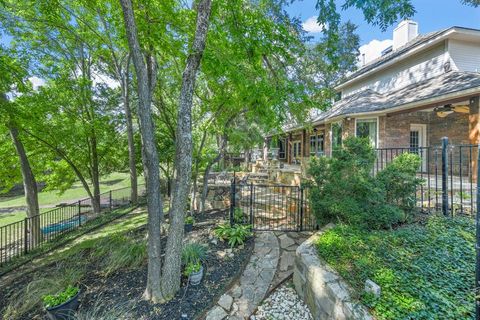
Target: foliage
103,311
120,252
108,247
189,220
424,271
193,253
235,235
344,188
238,216
50,301
60,277
399,180
192,268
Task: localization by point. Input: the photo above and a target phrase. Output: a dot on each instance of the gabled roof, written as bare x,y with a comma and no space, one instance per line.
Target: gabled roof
369,101
432,37
395,53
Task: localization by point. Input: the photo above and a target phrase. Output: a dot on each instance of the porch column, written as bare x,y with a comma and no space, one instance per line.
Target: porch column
474,131
327,136
265,149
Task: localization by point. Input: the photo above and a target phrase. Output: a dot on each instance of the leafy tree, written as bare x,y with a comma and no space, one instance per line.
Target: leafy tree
74,112
13,78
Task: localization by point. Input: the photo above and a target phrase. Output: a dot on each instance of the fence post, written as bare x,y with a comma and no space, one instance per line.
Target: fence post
232,202
445,176
25,235
301,208
79,213
110,199
477,245
251,204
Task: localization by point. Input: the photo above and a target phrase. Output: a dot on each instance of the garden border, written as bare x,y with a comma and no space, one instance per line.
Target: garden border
321,288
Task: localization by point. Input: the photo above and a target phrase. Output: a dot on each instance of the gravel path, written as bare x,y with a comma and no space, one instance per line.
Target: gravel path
283,304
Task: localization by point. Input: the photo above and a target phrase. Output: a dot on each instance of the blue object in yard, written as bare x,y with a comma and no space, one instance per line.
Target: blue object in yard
63,225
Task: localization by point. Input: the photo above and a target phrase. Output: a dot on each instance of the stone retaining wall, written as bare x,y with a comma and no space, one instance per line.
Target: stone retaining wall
325,293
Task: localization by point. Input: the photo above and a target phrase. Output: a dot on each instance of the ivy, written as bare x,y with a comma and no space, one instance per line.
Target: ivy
426,271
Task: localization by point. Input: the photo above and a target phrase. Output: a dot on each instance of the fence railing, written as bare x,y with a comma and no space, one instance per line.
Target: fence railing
19,238
448,173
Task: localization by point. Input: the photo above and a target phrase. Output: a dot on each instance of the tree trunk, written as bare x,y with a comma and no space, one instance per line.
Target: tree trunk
96,205
150,158
30,187
194,202
183,155
131,142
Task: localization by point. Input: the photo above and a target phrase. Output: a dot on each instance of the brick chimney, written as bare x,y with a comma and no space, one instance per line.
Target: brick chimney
406,31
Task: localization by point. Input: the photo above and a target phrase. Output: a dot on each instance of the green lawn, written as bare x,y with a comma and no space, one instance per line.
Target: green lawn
51,198
425,271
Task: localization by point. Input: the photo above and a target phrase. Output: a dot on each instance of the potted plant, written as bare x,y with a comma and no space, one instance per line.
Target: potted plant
194,272
189,221
192,256
62,306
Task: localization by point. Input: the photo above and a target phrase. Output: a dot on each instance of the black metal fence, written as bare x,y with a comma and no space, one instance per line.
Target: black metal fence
271,207
19,238
448,173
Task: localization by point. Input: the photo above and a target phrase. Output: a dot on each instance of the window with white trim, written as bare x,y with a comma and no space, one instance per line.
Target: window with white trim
336,136
316,145
367,128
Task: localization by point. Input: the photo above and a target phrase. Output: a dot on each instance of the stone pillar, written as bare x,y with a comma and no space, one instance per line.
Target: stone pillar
474,131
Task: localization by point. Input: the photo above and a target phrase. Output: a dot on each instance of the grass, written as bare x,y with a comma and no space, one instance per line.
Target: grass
111,248
52,197
425,271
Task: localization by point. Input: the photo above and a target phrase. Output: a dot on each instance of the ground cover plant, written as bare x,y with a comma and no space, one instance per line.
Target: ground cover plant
425,269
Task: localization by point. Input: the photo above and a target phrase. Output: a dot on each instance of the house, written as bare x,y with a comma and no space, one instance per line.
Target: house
425,87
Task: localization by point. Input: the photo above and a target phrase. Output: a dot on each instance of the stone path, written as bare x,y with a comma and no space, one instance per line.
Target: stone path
242,299
289,241
270,264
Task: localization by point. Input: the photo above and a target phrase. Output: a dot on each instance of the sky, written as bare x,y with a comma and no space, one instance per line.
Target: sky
431,15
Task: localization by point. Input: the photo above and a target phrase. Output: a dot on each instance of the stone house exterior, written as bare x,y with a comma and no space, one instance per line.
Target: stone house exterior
421,89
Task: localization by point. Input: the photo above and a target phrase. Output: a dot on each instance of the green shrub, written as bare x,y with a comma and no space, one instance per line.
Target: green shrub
53,300
399,180
235,235
193,252
344,188
238,216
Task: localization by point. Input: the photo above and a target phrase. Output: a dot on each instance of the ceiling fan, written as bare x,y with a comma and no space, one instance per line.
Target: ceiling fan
447,109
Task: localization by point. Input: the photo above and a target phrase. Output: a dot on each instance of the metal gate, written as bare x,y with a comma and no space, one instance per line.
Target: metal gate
271,207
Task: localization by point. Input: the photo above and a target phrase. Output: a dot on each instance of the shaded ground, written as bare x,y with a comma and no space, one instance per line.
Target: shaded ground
124,287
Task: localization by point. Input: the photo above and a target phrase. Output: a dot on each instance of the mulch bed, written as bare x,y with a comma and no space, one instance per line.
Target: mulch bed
125,288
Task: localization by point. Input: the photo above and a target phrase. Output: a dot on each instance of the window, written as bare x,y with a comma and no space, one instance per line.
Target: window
336,136
297,149
367,128
316,145
281,148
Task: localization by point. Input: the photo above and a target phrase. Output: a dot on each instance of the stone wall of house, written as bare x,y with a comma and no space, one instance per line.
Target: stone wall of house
324,292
